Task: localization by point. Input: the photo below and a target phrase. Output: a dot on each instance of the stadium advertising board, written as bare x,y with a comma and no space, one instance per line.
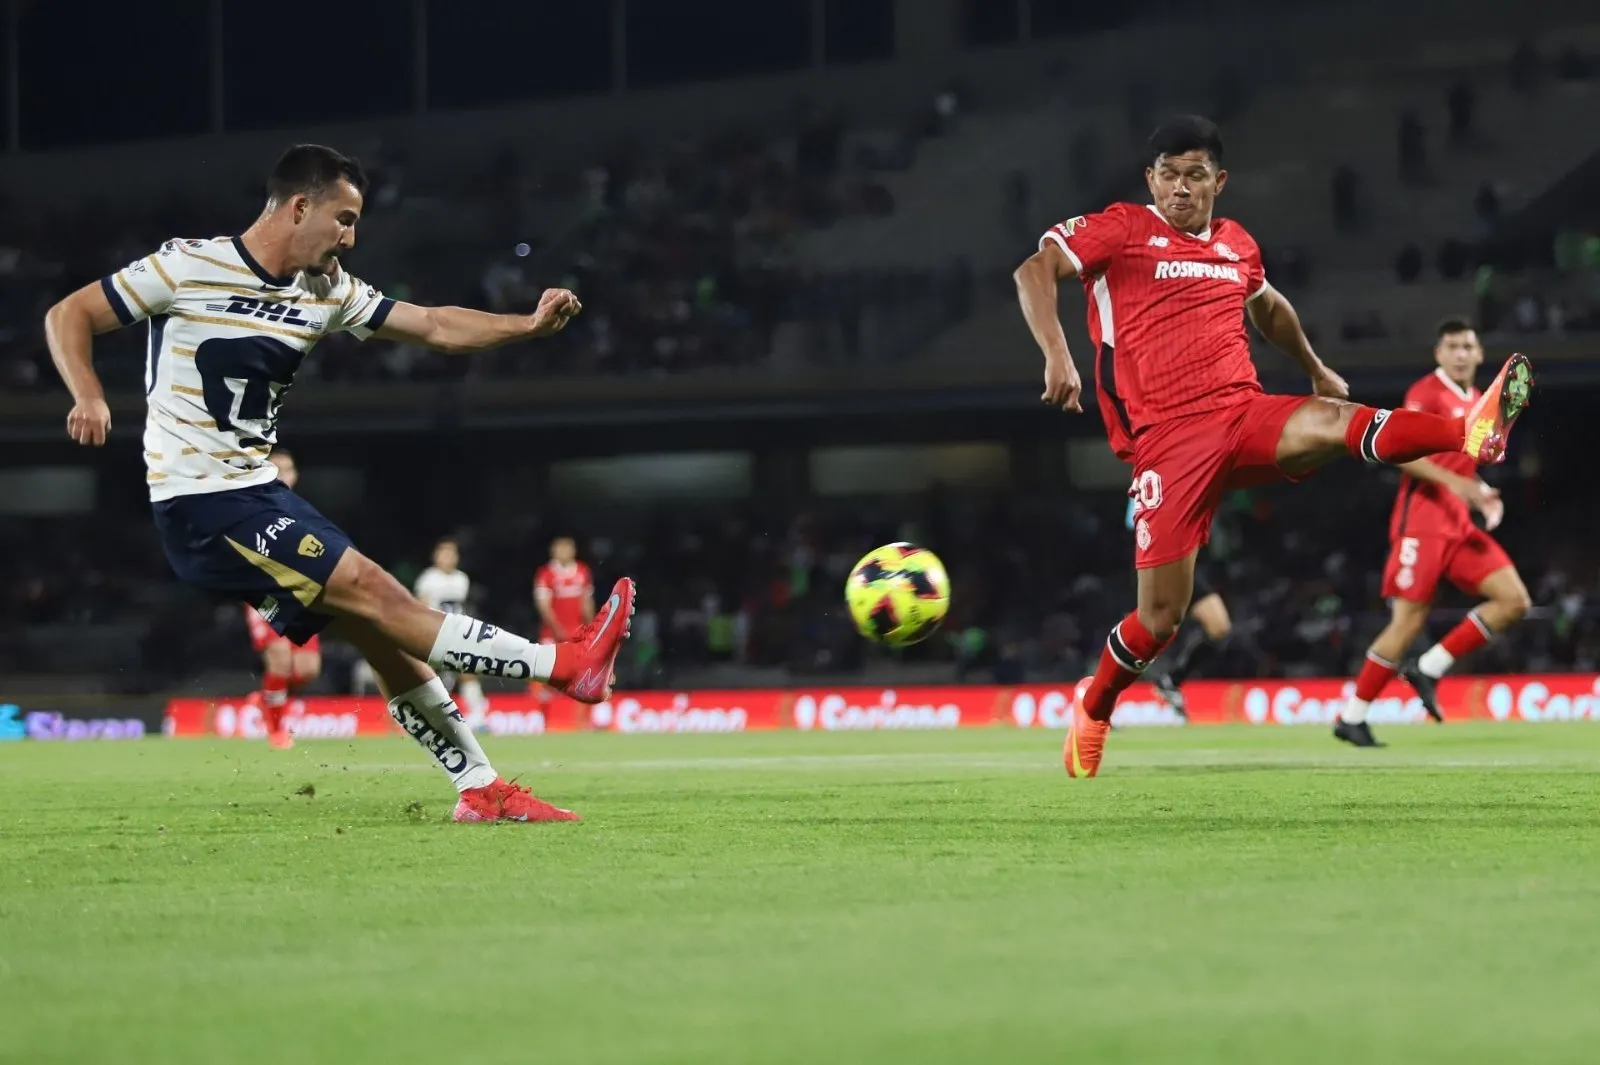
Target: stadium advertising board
19,722
1546,697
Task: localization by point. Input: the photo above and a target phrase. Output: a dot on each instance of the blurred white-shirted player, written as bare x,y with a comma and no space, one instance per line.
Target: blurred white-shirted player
286,666
230,321
444,587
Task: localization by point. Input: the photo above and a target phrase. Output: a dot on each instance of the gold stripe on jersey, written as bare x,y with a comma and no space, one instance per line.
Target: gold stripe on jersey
134,293
217,262
237,475
158,456
162,272
155,477
187,353
292,581
202,423
257,293
185,390
246,323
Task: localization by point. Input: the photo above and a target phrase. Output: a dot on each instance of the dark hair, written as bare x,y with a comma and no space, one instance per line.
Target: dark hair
310,169
1452,326
1186,133
282,453
451,540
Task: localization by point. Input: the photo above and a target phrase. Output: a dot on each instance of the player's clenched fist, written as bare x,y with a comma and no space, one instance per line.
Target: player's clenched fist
556,307
1062,387
1327,383
88,422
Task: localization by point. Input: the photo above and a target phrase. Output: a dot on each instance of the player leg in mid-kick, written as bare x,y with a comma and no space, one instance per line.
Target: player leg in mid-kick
1192,418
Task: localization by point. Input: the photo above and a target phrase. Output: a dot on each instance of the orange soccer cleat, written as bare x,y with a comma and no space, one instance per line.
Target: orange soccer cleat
583,668
278,734
1489,422
1086,739
504,800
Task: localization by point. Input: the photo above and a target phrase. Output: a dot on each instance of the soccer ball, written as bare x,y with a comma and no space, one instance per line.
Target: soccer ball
898,594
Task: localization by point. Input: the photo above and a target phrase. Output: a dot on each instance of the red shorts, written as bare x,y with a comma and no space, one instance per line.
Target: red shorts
263,635
1181,468
1417,562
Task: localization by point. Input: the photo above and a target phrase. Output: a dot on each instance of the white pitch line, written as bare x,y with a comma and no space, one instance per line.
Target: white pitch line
1194,759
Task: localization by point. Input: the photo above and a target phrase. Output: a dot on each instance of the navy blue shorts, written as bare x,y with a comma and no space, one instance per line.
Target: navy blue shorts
262,545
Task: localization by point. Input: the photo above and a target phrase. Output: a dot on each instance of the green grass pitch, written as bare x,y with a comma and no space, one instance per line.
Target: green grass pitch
1219,895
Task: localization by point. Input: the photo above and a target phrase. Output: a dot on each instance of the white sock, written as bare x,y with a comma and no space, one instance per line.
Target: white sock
473,699
429,716
467,645
1354,711
1435,662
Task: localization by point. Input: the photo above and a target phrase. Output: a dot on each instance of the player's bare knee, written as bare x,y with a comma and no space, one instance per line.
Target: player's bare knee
361,588
307,665
1162,618
1513,604
277,658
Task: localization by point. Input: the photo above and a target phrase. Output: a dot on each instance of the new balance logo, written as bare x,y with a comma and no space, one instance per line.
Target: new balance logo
1169,270
1159,242
263,309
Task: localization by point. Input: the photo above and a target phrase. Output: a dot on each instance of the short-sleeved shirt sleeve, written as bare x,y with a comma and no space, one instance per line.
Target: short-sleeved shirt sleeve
1255,273
363,309
544,585
145,287
1090,241
1419,396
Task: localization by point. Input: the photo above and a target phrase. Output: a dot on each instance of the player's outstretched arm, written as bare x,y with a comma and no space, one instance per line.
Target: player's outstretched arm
69,329
1036,291
459,330
1479,496
1276,320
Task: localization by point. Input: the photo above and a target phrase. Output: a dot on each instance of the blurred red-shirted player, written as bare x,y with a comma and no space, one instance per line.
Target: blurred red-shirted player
285,668
1169,287
563,590
1432,536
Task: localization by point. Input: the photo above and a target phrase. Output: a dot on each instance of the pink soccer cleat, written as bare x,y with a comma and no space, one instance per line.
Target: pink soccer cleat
583,669
505,800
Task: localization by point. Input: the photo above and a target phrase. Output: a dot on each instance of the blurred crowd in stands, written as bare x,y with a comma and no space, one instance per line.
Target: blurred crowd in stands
1037,582
684,258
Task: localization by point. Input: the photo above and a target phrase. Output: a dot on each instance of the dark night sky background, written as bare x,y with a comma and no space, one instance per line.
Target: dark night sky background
86,79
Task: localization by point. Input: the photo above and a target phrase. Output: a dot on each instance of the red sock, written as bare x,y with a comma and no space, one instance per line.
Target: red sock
1396,436
1468,635
274,694
1375,675
1128,653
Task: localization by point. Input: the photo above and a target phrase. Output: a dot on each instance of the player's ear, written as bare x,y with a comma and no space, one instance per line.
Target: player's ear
1222,179
299,207
1150,180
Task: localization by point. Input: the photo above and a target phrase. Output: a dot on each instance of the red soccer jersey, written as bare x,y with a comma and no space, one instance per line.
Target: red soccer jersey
565,588
1166,314
1422,508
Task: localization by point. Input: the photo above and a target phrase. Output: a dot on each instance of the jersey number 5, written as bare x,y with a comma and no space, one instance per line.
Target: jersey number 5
237,375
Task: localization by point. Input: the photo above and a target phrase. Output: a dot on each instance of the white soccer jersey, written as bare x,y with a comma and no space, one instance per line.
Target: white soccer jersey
226,338
443,591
